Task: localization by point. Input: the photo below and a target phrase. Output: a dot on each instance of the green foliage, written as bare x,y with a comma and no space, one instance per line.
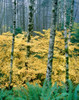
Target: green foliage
5,93
34,92
11,29
75,35
18,30
41,93
76,93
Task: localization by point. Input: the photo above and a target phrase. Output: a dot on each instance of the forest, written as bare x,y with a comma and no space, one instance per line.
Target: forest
39,49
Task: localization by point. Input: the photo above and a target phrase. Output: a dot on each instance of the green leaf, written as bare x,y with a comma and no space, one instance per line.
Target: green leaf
76,93
61,96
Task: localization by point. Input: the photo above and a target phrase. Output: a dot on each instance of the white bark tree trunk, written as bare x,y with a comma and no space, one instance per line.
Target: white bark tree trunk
13,40
23,15
59,15
66,47
16,14
30,25
51,42
71,19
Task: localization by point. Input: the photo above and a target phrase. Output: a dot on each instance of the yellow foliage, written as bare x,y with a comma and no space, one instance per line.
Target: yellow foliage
33,69
39,33
7,34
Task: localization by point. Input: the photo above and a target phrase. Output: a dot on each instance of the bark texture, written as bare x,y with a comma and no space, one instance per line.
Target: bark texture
30,25
51,42
13,40
71,18
59,15
66,47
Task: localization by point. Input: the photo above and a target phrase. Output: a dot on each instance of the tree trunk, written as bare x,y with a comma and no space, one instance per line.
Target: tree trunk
51,42
16,14
23,15
66,47
71,19
13,40
30,25
59,15
1,20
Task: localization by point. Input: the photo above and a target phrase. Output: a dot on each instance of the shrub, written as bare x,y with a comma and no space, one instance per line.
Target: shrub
18,30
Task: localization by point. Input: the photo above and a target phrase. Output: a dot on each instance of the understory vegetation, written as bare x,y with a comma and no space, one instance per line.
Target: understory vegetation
33,69
36,92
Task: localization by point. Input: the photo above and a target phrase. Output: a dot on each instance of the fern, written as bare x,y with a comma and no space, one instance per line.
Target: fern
76,95
5,93
61,96
20,93
34,92
47,92
70,96
41,93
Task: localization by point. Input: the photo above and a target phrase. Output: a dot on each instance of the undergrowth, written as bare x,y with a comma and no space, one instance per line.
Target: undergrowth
36,92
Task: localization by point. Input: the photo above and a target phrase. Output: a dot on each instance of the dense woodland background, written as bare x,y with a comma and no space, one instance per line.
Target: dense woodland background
39,43
42,14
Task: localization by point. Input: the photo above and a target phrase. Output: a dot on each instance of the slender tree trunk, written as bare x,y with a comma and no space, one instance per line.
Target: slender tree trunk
51,42
3,14
59,15
66,47
20,18
4,17
13,40
43,17
23,15
30,25
16,14
47,9
39,13
71,19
